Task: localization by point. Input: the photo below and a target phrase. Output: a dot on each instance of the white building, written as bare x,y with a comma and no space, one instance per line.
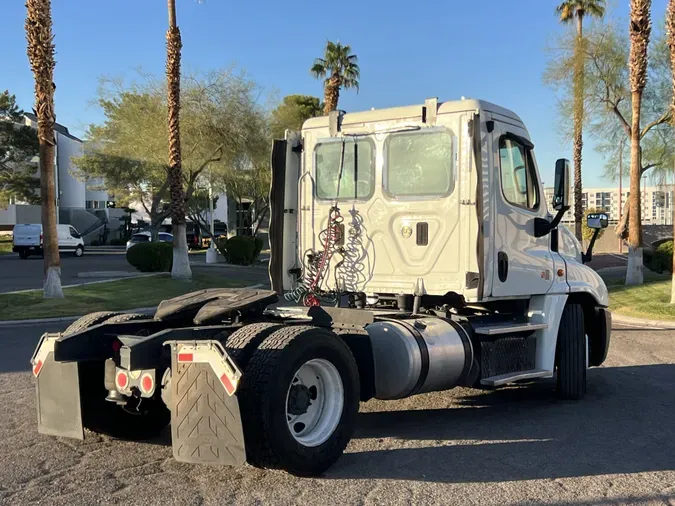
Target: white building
74,199
657,203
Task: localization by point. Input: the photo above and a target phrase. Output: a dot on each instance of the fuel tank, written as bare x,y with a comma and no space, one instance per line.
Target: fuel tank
418,355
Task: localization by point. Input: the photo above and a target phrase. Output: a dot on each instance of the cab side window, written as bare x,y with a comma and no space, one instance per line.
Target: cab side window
73,233
518,175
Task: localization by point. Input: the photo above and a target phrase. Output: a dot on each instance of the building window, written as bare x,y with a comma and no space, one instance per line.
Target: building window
87,204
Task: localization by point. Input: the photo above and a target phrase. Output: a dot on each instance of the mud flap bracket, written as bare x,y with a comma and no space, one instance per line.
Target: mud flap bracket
206,423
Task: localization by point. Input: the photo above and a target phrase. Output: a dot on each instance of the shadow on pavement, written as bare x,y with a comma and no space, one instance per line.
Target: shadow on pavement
623,425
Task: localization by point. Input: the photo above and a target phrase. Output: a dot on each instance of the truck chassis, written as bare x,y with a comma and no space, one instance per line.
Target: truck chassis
241,380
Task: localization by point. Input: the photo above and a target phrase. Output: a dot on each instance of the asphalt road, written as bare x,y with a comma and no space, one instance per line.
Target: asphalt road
514,446
17,274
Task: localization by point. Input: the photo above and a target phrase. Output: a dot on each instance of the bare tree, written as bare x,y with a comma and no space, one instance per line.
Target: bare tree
41,57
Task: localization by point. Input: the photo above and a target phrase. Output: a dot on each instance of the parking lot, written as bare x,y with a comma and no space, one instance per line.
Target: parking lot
514,446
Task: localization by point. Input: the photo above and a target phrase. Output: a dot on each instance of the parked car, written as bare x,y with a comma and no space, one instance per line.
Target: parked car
28,240
147,237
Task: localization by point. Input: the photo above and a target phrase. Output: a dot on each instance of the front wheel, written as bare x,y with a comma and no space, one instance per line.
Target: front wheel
571,353
299,399
79,251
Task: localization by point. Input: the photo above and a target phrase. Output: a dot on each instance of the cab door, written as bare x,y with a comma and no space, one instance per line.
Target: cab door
524,264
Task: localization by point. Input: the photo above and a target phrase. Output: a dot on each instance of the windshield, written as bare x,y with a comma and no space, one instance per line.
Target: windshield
140,238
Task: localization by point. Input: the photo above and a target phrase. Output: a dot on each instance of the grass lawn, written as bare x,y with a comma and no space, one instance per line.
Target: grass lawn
112,296
5,246
651,300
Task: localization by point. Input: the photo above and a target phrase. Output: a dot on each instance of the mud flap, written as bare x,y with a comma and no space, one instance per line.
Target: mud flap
205,421
58,399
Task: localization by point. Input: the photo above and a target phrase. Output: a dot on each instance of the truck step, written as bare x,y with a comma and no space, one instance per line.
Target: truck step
493,329
503,379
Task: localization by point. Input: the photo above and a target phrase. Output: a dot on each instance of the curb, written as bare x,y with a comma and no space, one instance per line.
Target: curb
142,310
643,322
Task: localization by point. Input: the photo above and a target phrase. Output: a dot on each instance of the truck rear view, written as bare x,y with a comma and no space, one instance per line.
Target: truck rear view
411,251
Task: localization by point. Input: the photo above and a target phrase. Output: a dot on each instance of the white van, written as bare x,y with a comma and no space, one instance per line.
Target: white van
28,240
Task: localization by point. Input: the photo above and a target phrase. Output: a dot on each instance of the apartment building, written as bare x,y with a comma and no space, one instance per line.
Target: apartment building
657,203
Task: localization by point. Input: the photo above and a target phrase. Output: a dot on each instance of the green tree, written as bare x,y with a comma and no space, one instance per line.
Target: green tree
292,113
220,122
19,146
339,68
607,95
568,11
38,27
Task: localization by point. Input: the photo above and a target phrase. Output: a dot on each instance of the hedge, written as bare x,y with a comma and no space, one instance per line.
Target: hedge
241,249
151,256
117,242
661,259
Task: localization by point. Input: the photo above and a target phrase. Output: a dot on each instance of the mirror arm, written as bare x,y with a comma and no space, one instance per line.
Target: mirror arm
588,256
543,227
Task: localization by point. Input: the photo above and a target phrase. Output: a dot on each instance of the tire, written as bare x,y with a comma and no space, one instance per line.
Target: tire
571,353
127,317
243,342
90,320
266,392
79,251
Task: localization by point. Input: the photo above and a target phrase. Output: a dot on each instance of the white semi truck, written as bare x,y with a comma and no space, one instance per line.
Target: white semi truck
412,251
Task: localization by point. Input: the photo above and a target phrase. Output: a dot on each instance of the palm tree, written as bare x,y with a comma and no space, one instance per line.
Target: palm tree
181,263
41,57
640,29
340,69
568,11
670,32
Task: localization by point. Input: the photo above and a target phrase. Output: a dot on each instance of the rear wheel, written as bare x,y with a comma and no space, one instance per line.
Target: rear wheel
244,341
23,255
571,353
299,399
90,320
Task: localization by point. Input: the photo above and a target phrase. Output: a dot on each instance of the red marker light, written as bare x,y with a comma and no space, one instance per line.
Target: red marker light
37,367
147,384
122,380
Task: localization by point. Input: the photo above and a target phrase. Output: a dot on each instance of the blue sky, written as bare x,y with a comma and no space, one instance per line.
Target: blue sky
408,51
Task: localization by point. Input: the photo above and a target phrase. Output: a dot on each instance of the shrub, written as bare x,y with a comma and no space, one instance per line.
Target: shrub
117,242
95,242
240,249
151,256
663,257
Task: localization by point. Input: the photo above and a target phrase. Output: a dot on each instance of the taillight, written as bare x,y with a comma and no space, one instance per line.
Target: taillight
147,384
40,238
122,380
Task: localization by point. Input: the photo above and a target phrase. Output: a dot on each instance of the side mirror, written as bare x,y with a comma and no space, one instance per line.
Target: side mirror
597,221
561,187
561,199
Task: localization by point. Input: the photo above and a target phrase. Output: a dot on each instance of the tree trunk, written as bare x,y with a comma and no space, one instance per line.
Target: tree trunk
331,94
181,264
634,274
670,32
578,126
41,57
672,281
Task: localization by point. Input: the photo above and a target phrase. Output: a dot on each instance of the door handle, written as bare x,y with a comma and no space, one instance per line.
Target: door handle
502,266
